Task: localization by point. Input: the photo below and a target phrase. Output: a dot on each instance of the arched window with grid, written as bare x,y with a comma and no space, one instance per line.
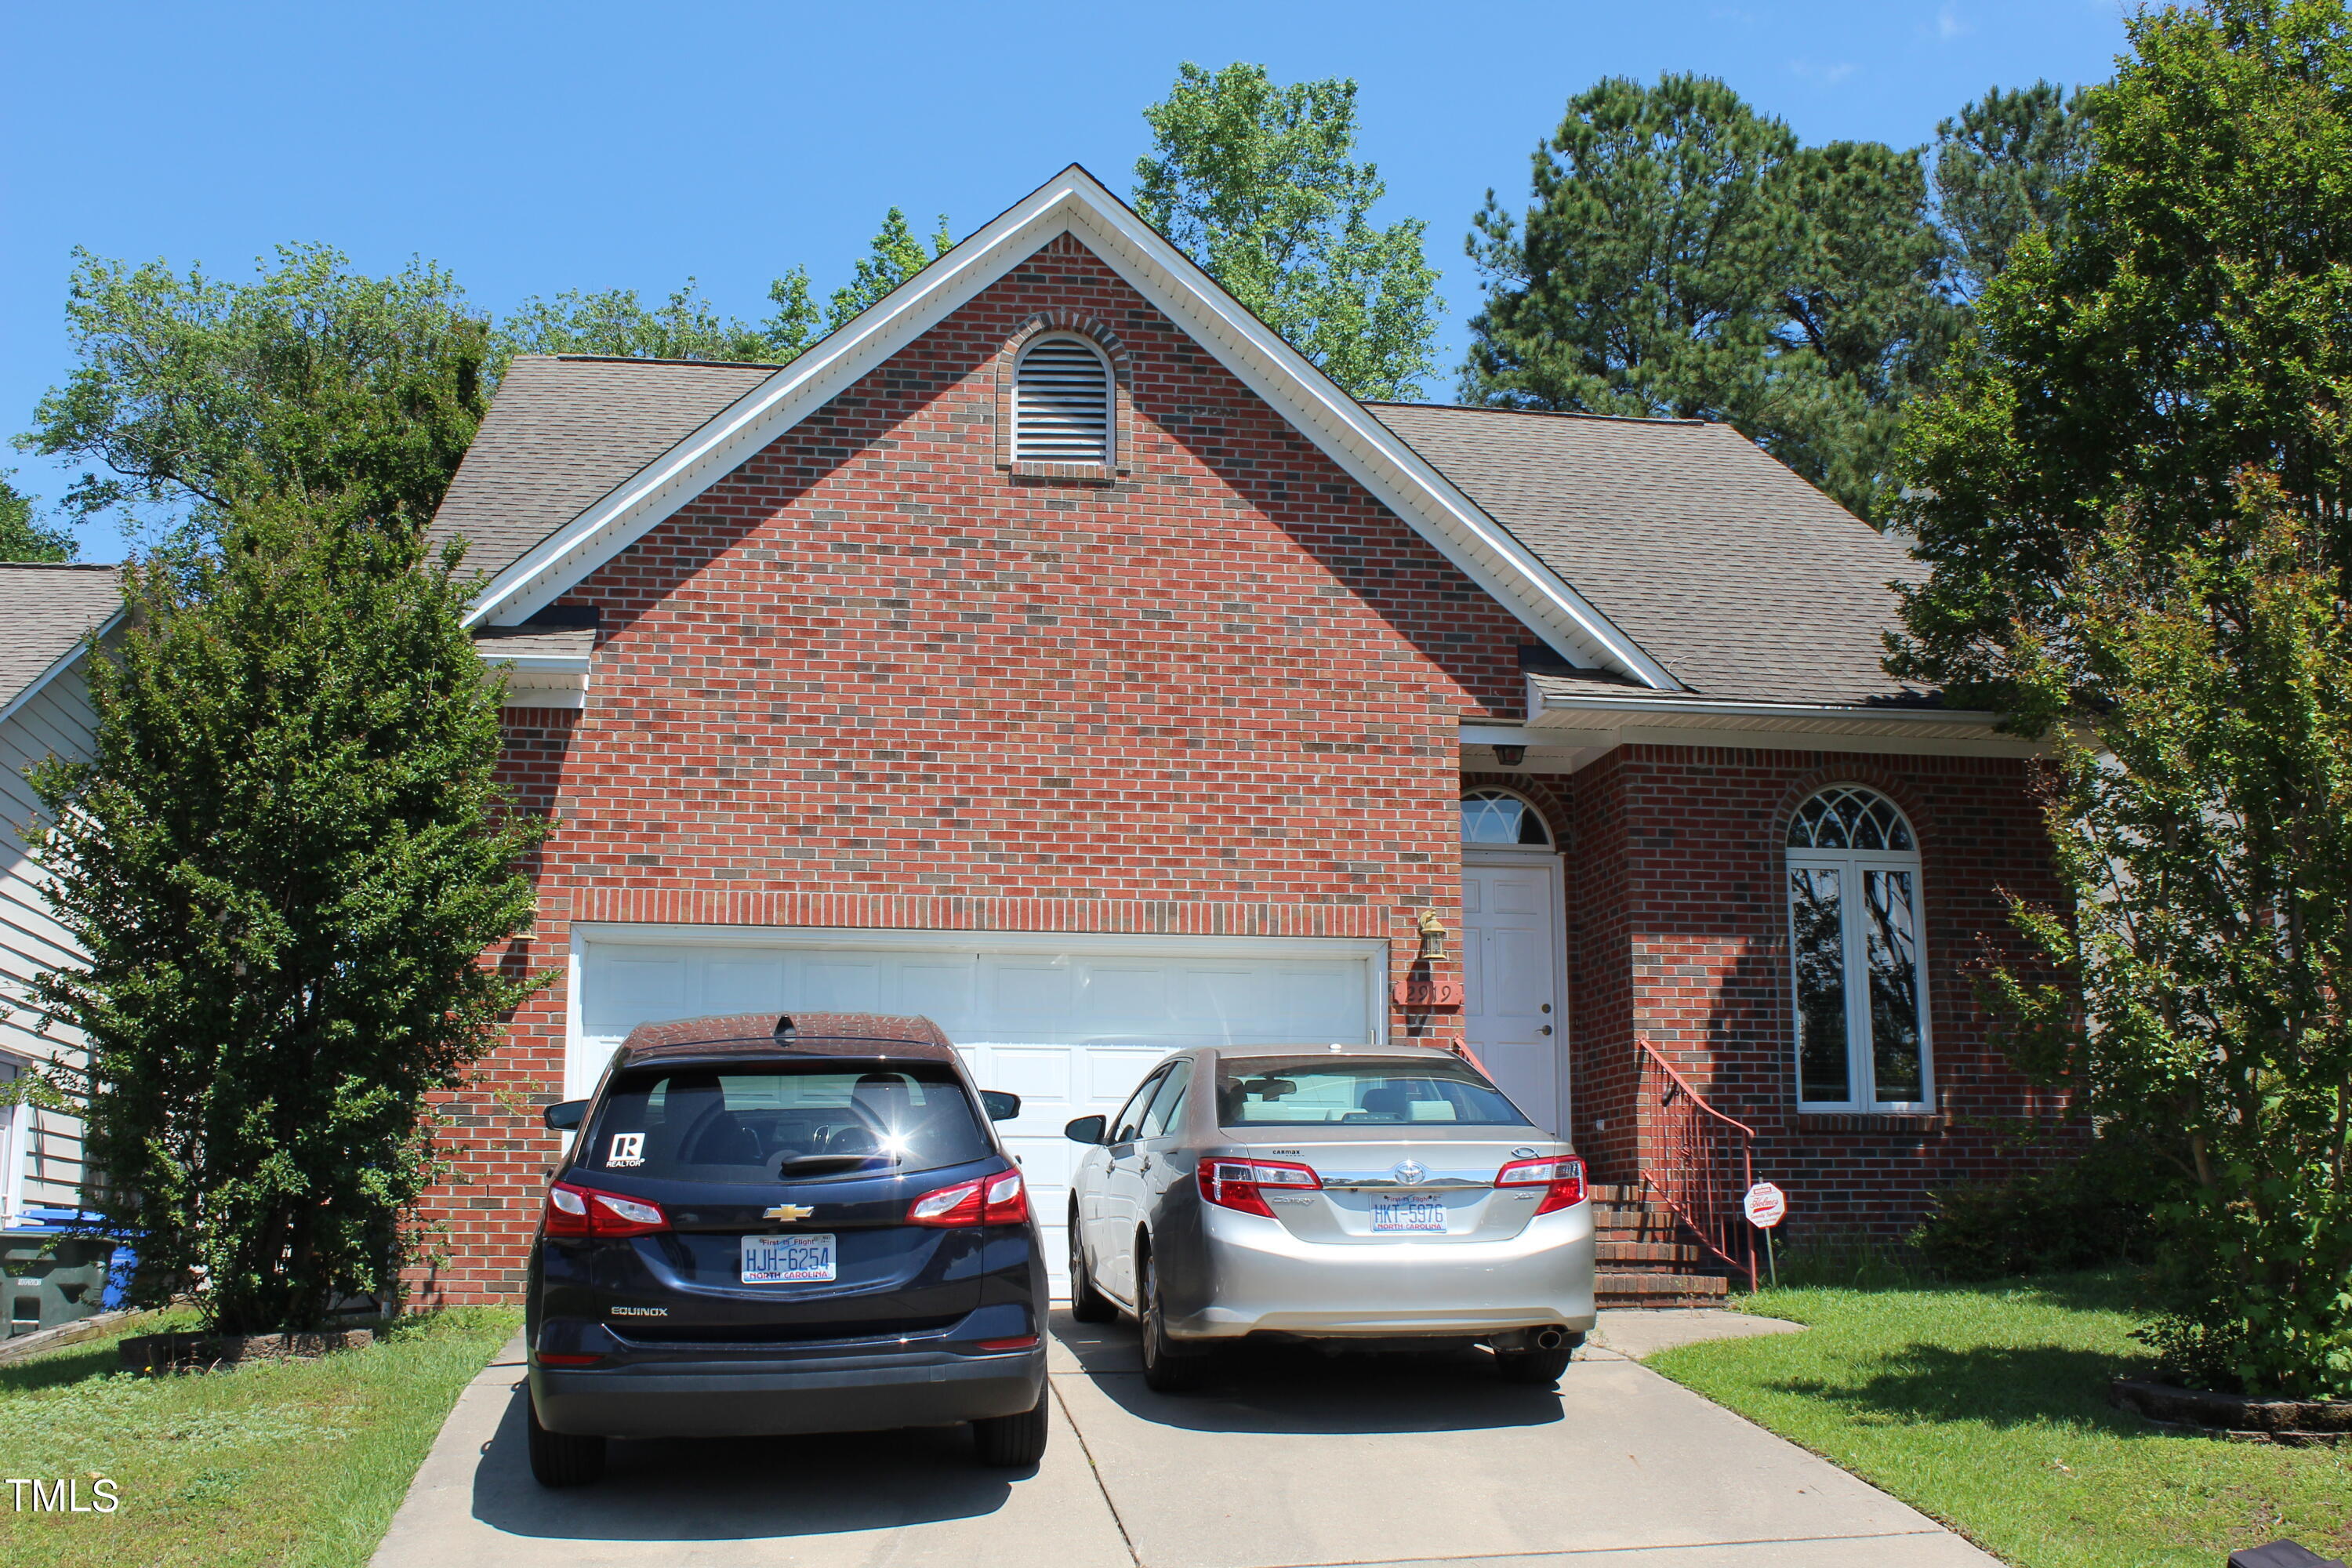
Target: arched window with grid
1855,947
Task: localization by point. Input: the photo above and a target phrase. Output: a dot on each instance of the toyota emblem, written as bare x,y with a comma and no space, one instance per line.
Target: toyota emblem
1409,1175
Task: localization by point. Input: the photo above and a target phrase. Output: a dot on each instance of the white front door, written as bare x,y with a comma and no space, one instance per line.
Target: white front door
1513,958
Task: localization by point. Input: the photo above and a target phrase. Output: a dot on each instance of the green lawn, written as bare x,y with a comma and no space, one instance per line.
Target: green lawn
1986,1406
300,1462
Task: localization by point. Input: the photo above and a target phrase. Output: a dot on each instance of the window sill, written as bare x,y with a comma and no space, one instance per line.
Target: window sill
1900,1121
1079,473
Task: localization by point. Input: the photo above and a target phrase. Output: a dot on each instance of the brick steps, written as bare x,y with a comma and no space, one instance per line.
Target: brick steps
1645,1258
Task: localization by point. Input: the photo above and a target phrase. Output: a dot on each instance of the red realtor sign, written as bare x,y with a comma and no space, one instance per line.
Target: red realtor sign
1767,1206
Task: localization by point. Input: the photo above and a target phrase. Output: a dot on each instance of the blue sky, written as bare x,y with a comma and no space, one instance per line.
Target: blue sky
590,145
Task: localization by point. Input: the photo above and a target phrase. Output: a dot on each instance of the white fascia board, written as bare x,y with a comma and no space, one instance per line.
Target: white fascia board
1370,453
541,663
1545,707
753,421
64,662
1366,449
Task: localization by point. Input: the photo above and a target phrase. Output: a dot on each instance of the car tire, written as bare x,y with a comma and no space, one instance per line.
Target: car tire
1536,1369
1166,1368
562,1458
1011,1442
1088,1305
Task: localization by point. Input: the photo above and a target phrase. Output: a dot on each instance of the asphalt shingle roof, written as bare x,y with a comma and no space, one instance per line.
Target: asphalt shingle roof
1741,579
47,609
562,432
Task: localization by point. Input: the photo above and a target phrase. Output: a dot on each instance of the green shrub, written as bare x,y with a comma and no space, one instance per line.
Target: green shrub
2069,1217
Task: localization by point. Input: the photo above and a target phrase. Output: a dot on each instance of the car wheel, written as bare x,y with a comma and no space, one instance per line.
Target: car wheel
1012,1441
1166,1370
561,1459
1537,1369
1088,1305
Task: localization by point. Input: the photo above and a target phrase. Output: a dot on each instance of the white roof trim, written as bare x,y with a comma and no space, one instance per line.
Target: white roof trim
1075,202
65,661
1543,705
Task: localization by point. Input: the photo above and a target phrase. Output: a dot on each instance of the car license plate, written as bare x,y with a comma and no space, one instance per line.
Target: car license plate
787,1259
1413,1212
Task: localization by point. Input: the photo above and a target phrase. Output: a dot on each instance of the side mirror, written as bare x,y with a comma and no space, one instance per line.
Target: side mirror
1001,1106
565,1116
1085,1130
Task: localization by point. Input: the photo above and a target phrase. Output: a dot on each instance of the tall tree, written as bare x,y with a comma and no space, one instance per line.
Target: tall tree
22,538
687,326
2002,166
284,858
1684,257
1258,183
892,256
2131,501
312,383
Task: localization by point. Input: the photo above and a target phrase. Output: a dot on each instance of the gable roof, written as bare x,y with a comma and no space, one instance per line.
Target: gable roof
1072,203
48,610
1739,577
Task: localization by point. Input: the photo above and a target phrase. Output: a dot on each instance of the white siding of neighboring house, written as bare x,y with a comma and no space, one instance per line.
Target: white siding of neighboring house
40,1151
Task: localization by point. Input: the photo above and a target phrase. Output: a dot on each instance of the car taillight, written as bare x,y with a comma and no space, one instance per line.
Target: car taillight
555,1358
585,1211
1236,1184
1563,1177
1001,1199
1007,1202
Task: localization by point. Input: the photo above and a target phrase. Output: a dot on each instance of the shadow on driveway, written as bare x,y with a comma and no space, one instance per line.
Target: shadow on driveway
1281,1388
741,1487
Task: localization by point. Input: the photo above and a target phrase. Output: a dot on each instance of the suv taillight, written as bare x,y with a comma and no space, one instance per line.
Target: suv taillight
1562,1176
1001,1199
585,1211
1235,1183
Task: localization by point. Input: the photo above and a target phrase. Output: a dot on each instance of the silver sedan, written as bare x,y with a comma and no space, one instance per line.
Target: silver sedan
1390,1199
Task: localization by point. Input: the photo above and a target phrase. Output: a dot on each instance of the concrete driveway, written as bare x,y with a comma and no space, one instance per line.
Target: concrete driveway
1291,1460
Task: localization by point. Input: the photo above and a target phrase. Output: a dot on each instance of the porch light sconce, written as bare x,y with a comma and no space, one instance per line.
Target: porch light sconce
1433,935
1510,756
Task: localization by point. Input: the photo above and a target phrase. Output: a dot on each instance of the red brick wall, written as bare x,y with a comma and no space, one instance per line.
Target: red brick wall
871,678
1678,933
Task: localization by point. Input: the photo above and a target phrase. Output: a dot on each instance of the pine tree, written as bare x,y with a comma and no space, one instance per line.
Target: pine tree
1684,257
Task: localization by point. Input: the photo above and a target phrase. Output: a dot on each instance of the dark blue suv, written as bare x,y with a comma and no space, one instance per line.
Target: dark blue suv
772,1225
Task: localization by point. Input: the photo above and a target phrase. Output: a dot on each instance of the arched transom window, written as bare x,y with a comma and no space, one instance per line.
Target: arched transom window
1062,405
1855,940
1491,816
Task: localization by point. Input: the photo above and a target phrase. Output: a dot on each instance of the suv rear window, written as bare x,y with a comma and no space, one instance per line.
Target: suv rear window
1319,1091
792,1121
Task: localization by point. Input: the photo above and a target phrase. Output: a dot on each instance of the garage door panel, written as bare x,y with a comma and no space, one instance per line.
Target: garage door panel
1071,1030
744,983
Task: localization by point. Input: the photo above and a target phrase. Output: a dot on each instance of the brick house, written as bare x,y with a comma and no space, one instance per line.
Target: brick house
1053,651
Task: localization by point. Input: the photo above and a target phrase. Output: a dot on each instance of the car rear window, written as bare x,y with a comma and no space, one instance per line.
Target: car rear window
784,1121
1319,1091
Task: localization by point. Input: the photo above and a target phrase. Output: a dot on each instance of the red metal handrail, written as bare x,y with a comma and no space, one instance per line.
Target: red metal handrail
1707,1161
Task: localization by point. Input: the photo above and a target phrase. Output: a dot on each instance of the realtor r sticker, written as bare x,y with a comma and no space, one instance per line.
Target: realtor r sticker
628,1148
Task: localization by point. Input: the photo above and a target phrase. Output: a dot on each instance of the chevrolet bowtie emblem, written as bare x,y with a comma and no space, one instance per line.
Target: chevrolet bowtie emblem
787,1211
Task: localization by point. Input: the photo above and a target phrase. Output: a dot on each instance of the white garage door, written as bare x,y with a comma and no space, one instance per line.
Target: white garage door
1068,1023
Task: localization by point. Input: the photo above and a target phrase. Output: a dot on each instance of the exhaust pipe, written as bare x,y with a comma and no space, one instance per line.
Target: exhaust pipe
1549,1338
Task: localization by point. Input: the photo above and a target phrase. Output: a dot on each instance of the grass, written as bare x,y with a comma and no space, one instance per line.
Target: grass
297,1463
1986,1406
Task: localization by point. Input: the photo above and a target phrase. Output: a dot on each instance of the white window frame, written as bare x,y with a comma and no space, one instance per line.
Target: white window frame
1550,845
1110,458
1861,1075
